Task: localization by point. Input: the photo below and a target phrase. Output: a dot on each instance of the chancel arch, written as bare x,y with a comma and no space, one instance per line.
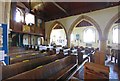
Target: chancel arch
112,32
114,21
57,34
90,22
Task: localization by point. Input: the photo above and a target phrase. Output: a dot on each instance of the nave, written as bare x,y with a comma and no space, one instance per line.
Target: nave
69,41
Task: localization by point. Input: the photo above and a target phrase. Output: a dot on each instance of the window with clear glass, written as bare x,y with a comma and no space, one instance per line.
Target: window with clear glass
19,15
72,37
29,18
115,35
39,40
89,35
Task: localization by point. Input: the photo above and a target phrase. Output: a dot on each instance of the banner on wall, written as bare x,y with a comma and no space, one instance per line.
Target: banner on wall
4,43
1,36
77,36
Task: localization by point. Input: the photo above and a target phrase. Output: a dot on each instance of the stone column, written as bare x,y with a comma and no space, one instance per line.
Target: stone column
47,40
68,40
103,45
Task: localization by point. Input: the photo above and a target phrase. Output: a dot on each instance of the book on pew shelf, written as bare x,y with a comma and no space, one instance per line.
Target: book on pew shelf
12,58
33,54
18,56
44,53
57,60
26,60
39,66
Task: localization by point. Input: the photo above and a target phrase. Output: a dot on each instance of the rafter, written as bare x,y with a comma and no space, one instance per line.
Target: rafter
26,4
60,8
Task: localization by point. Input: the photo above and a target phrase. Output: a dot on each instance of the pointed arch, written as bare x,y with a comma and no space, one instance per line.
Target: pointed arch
88,19
109,25
54,24
19,15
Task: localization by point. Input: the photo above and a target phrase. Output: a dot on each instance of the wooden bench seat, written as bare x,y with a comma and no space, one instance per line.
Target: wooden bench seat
28,57
64,72
21,57
55,70
14,69
22,53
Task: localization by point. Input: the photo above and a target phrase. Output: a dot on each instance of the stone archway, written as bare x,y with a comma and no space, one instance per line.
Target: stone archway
88,19
109,25
53,26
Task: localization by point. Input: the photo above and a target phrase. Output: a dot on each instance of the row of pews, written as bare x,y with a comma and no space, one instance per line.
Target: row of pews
25,56
47,65
40,68
56,70
37,47
31,54
14,58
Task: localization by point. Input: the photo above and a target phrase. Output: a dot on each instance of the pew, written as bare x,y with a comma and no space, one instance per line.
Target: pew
13,69
22,53
14,49
80,57
20,58
57,70
96,72
61,54
98,57
30,64
27,57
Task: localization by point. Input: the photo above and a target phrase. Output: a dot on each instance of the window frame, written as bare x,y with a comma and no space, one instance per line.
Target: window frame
94,32
114,27
30,14
21,15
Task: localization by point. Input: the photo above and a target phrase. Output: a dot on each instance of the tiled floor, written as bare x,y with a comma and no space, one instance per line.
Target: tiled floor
114,70
113,75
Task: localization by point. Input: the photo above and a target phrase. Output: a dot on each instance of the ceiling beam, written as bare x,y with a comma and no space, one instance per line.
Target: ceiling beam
26,4
60,8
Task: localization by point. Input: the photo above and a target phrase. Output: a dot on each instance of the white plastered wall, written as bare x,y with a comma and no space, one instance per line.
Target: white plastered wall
101,17
80,31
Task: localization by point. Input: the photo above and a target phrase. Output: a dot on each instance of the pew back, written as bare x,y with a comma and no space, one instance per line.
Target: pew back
52,70
27,57
14,69
12,55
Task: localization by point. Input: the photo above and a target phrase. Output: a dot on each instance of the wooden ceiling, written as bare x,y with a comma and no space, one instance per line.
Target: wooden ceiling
118,21
58,27
55,10
83,24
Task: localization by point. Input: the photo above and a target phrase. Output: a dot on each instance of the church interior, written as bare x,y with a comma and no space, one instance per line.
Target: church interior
53,40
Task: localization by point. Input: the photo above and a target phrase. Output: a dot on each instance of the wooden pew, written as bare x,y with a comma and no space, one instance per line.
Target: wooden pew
98,57
14,69
96,71
15,49
27,57
35,55
22,53
57,70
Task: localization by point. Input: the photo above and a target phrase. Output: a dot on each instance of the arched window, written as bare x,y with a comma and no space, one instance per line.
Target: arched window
29,18
89,35
115,34
19,15
72,37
